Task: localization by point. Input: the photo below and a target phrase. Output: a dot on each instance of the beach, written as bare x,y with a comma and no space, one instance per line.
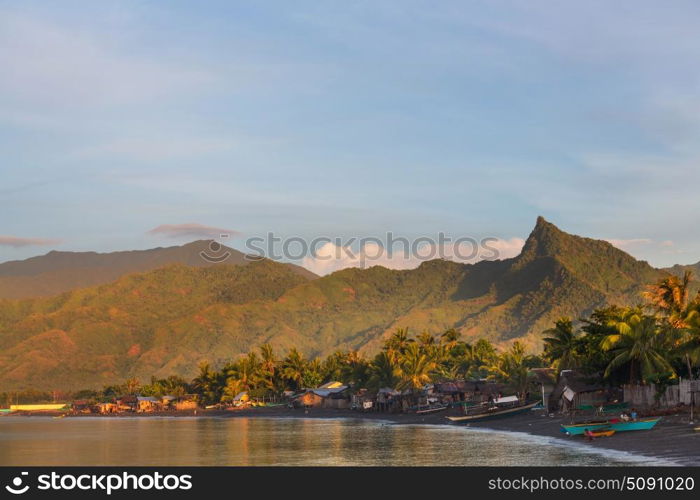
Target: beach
672,439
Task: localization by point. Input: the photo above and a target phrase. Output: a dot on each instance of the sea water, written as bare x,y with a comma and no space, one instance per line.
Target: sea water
162,441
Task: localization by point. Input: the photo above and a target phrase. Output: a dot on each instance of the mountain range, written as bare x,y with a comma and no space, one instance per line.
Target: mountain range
58,272
157,319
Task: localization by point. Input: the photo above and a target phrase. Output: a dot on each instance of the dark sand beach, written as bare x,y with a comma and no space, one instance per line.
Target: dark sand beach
672,439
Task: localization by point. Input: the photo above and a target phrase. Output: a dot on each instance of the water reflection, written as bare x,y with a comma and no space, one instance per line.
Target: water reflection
267,441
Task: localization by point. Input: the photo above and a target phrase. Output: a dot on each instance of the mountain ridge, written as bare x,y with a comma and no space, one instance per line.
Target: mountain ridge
59,271
167,320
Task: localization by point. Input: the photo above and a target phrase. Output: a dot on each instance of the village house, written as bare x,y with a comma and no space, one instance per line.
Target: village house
81,406
127,403
167,402
574,391
329,395
476,391
185,403
241,399
147,404
106,408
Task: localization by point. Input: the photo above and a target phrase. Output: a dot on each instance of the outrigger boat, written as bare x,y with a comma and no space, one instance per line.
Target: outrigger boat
503,407
615,424
422,410
600,433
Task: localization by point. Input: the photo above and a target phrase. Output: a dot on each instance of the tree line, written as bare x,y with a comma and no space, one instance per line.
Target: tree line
653,342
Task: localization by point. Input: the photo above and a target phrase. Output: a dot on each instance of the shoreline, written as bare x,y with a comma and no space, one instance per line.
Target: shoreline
673,439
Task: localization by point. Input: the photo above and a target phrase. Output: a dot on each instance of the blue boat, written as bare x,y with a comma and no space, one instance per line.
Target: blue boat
616,425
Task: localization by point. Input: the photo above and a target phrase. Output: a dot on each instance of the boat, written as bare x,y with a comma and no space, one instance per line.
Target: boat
605,407
422,410
615,424
604,432
494,412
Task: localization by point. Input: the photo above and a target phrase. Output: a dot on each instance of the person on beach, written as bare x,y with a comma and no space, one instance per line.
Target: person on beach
633,415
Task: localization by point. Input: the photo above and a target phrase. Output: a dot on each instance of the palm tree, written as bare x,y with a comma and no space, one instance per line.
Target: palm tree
246,371
205,383
355,369
312,374
669,297
131,386
232,388
450,338
426,340
415,368
639,343
293,368
561,344
268,366
384,371
483,354
398,341
511,367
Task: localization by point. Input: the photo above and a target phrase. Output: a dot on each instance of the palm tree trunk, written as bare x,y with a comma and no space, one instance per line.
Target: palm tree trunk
690,367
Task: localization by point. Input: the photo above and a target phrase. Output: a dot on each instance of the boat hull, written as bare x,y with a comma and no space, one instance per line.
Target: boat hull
620,426
507,412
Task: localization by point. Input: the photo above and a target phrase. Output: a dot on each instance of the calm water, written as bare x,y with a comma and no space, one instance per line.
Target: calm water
273,441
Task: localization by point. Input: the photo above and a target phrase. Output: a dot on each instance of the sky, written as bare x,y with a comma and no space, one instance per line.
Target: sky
136,124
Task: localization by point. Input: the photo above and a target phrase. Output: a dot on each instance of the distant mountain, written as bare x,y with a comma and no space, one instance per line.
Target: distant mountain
165,321
679,269
58,272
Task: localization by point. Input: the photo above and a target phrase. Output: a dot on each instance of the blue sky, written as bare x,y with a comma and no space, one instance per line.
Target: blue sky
349,119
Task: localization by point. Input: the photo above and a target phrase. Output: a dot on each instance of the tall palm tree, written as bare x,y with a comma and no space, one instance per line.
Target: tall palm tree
560,345
293,368
131,386
268,366
511,368
415,368
690,346
384,371
669,297
312,376
640,344
246,371
450,338
426,339
399,341
205,383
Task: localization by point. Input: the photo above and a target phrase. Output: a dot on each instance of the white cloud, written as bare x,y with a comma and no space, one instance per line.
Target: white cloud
17,242
329,257
623,244
191,230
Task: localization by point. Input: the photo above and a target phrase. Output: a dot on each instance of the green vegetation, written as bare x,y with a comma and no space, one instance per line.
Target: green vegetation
650,343
167,321
405,362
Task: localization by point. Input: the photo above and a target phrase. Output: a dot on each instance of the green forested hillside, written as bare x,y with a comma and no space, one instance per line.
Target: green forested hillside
58,272
165,321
